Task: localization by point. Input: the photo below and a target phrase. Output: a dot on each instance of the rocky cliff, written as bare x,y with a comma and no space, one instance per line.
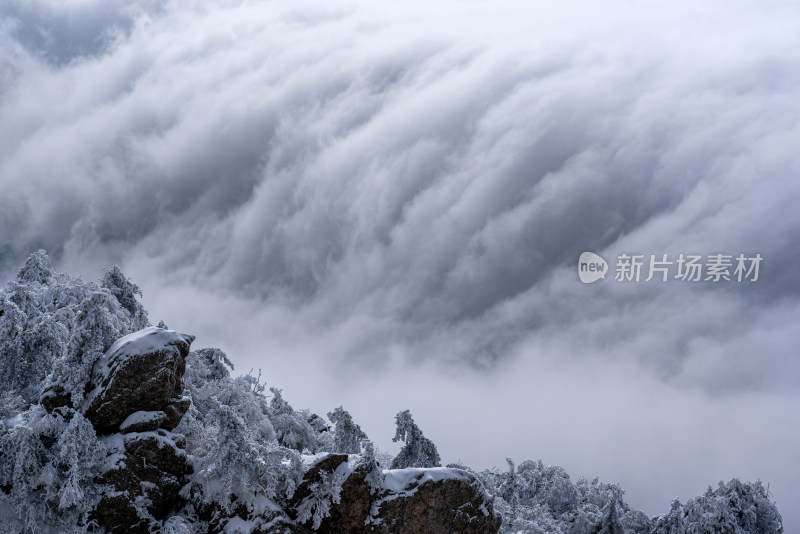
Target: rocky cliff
108,424
135,401
398,501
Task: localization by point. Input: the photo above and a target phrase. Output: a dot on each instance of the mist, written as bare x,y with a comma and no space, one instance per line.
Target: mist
382,206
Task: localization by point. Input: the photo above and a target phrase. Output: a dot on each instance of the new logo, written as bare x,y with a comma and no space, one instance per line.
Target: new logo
591,267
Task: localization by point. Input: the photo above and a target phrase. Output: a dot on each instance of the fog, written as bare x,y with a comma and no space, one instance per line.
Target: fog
382,206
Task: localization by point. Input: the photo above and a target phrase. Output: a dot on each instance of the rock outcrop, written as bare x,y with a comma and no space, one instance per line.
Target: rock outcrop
134,402
409,501
147,475
433,502
142,371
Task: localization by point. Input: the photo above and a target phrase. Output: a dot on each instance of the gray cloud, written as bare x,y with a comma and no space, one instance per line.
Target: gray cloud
375,190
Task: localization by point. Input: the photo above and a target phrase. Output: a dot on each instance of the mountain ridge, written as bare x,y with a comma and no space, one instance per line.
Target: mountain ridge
188,447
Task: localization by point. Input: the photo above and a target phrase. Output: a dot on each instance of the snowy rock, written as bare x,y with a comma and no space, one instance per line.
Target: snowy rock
175,411
146,474
142,371
55,397
168,418
352,509
433,501
142,421
409,501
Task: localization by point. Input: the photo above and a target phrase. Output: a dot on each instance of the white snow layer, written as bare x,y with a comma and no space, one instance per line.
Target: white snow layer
141,417
408,480
147,340
144,341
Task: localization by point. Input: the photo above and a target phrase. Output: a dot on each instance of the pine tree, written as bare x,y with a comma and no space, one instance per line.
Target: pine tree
238,467
347,436
96,326
672,521
37,269
126,292
369,460
292,429
418,450
324,493
80,456
733,507
610,523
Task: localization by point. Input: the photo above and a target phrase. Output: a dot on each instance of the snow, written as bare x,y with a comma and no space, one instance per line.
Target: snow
237,525
112,442
239,463
115,444
141,417
147,340
164,438
407,480
344,469
144,341
14,421
309,460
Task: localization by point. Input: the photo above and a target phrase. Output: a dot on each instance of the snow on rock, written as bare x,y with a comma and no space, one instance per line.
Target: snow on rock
433,500
142,421
142,371
406,481
310,460
145,472
335,496
237,525
147,340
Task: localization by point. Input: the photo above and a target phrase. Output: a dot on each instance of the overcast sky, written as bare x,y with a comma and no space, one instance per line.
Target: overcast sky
381,205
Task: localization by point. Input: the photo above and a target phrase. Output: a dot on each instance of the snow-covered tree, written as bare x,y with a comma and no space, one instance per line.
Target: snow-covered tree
324,493
292,429
49,462
534,498
418,450
245,448
546,485
733,507
347,435
238,468
13,323
175,525
80,457
610,523
209,384
126,292
508,488
96,326
672,521
38,269
54,327
322,428
207,364
369,461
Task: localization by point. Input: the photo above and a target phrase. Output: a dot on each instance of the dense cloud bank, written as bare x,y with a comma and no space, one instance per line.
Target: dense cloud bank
399,190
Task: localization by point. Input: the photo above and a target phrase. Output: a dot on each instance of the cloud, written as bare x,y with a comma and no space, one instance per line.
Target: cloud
375,190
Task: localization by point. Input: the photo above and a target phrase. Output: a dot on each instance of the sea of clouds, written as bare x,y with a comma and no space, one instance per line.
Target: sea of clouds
381,205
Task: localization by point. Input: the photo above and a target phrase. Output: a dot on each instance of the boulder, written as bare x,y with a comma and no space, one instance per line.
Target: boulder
55,397
168,418
434,501
175,411
141,372
409,501
149,469
142,421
